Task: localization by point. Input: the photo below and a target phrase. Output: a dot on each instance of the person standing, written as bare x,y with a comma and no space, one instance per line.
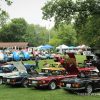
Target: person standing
37,61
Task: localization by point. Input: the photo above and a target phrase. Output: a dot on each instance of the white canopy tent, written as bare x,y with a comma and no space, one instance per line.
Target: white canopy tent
83,47
61,48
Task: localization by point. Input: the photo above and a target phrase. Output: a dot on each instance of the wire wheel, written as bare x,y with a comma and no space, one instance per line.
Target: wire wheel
89,89
25,83
52,85
0,80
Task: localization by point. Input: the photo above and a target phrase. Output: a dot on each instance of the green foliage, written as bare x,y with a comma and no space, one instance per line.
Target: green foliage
93,32
3,18
55,41
3,14
61,10
19,31
13,31
68,34
9,2
81,11
36,35
64,34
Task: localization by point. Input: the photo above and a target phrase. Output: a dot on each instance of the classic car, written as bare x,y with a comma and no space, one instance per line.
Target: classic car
55,75
21,78
86,81
42,56
55,64
7,70
49,77
18,80
49,56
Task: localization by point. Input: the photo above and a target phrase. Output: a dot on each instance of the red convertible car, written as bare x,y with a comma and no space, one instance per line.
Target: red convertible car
51,77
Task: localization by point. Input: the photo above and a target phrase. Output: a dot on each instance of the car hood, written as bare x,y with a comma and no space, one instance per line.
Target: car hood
13,74
9,74
72,80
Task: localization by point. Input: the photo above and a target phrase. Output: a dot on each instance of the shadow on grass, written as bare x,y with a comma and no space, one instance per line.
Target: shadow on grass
42,89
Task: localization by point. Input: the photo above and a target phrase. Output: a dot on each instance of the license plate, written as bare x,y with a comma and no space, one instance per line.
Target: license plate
8,80
34,82
68,85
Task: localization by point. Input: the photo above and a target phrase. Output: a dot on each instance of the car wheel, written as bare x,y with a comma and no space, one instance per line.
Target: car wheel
89,89
52,85
0,80
25,83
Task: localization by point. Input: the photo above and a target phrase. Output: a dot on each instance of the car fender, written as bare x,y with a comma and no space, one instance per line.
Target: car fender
53,80
89,83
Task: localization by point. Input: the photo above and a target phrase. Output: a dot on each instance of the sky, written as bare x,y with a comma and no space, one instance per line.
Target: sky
30,10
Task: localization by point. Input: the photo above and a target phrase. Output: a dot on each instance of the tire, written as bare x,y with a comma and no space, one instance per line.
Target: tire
52,85
1,81
89,89
25,83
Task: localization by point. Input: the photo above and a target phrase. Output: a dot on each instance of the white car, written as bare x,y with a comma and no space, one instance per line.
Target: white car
11,70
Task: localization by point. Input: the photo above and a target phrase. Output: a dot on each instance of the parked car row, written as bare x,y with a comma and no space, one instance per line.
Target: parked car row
21,55
15,56
74,78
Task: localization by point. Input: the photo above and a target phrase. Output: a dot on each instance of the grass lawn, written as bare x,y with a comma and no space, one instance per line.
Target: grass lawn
19,93
8,93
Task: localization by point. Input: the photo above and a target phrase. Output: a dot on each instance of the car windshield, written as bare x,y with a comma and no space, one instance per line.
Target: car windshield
9,68
1,71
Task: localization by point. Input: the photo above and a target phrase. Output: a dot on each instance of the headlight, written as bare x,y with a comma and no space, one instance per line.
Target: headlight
34,82
41,82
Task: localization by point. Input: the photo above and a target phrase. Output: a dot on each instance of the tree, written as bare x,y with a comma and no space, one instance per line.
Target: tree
36,35
18,27
64,34
81,11
68,34
93,31
13,31
3,14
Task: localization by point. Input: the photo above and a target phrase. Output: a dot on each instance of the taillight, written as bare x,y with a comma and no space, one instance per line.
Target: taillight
61,84
29,81
76,85
13,80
